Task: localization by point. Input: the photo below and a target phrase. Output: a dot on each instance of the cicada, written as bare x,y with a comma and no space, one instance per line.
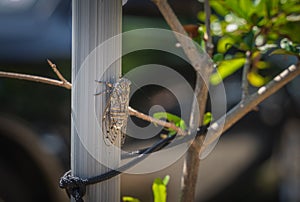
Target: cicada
115,115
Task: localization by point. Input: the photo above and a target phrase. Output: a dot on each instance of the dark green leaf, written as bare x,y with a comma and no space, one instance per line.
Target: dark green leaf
218,57
292,30
272,7
249,40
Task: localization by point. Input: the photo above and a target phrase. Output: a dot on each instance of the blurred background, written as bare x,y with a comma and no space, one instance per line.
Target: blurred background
257,160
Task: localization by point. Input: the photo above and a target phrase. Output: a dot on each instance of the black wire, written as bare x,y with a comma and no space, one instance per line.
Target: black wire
76,186
200,131
112,173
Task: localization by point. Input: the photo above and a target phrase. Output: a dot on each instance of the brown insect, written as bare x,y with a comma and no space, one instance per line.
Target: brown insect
114,120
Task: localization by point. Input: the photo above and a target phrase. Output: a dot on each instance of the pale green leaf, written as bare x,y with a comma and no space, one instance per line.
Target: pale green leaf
224,44
256,79
159,189
171,118
225,69
207,118
129,199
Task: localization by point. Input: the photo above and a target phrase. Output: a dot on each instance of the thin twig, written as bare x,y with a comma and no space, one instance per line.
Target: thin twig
150,119
245,84
209,43
59,75
230,118
65,84
35,79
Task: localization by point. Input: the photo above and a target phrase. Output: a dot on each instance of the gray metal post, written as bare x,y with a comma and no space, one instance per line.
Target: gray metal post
93,21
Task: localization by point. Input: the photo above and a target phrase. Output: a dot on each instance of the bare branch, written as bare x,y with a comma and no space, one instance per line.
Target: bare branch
241,109
246,68
59,75
150,119
209,43
199,61
64,83
35,79
203,66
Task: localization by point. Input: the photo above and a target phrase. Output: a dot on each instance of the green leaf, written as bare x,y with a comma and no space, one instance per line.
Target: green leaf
225,69
218,57
291,30
272,7
159,188
291,8
260,8
129,199
249,40
200,38
224,44
256,80
242,8
166,180
171,118
207,118
218,7
262,65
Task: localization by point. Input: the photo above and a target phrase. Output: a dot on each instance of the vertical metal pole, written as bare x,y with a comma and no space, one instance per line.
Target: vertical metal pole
93,22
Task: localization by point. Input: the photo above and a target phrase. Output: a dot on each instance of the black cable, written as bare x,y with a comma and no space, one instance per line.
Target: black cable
200,131
76,186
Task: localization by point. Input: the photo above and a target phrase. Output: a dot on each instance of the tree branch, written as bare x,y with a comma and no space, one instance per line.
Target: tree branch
241,109
150,119
203,66
209,43
65,84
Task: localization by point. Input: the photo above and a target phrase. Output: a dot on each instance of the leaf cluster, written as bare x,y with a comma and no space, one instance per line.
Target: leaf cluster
254,26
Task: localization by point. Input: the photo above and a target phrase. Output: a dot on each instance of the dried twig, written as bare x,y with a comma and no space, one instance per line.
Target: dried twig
245,92
209,43
59,75
65,84
35,79
150,119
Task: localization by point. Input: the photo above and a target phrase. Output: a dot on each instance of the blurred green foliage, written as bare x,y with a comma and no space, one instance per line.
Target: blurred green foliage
159,188
257,26
171,118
